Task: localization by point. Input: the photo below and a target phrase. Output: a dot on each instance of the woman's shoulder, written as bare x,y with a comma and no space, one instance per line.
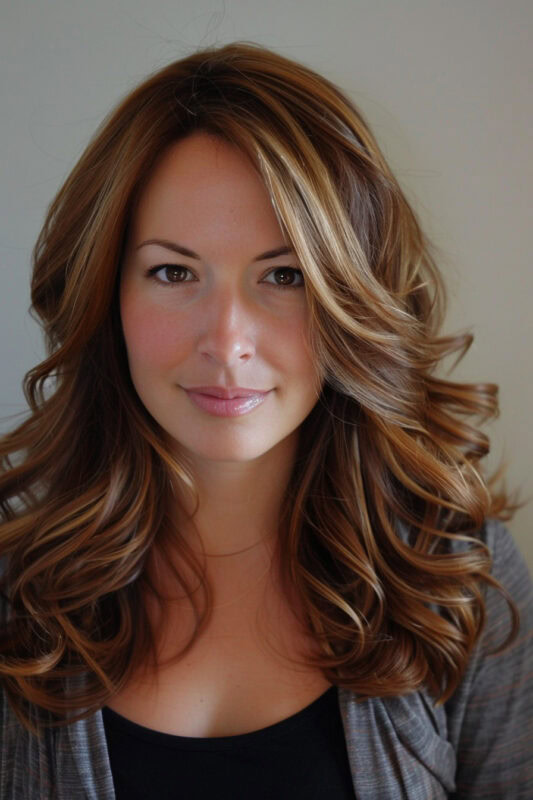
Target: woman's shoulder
490,716
499,539
511,584
508,565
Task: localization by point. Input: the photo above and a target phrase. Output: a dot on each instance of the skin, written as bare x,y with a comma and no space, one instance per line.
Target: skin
219,320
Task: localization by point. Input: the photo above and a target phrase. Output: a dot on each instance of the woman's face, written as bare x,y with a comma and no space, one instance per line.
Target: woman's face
223,317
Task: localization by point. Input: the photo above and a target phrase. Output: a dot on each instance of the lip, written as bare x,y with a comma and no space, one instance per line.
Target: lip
224,406
225,392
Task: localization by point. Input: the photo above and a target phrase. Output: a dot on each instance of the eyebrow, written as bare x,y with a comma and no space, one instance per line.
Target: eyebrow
184,251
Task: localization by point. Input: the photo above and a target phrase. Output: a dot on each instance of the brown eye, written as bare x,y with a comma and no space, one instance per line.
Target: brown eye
287,278
169,273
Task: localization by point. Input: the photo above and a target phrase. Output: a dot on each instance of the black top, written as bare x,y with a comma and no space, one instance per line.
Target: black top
303,756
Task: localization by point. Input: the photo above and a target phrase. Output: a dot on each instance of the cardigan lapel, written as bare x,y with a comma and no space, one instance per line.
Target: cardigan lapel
397,747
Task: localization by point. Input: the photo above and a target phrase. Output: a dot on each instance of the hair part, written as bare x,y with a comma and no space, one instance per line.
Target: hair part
388,473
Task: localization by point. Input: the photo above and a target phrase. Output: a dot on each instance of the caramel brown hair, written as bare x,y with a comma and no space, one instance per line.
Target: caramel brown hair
389,469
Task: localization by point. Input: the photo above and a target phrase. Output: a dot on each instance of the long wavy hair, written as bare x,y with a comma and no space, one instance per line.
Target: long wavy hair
388,469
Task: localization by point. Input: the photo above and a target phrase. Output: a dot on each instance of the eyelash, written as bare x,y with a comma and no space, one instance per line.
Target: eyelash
152,273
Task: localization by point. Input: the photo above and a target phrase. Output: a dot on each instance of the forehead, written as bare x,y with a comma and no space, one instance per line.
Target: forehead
203,181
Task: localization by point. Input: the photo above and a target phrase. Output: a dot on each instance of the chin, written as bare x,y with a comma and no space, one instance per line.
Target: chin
234,451
215,451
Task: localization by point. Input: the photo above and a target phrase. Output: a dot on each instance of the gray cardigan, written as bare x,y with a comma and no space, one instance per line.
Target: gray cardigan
479,745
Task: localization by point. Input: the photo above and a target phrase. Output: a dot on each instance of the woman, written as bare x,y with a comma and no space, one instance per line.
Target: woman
249,547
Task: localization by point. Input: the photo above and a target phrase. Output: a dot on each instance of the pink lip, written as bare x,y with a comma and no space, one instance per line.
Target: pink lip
226,392
227,407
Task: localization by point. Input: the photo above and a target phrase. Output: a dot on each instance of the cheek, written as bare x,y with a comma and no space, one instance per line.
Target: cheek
290,352
152,337
295,343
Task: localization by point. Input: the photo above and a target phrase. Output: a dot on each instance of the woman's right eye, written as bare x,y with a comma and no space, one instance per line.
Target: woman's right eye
169,274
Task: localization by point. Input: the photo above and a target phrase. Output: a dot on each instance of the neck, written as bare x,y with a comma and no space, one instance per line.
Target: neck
239,502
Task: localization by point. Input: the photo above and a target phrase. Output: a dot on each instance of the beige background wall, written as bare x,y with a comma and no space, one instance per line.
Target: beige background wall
444,86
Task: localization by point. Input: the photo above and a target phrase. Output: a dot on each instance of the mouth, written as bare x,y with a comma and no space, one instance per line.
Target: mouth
225,393
227,406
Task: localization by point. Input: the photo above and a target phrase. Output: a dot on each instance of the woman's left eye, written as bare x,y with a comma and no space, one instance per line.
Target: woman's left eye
288,277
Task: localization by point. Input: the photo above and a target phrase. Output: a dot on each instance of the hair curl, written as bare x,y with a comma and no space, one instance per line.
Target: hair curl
388,469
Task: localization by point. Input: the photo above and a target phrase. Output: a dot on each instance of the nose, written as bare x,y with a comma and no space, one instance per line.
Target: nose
228,330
